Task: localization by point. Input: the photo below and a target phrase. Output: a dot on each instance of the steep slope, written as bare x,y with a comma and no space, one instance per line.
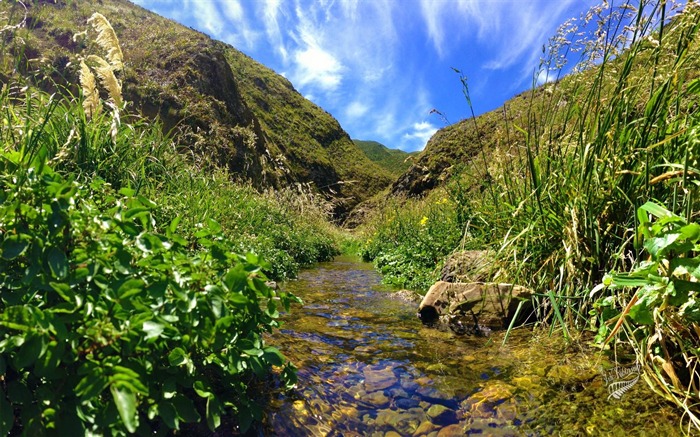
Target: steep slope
226,108
394,161
546,113
466,144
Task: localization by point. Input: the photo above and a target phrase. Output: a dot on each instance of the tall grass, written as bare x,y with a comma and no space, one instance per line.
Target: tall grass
559,205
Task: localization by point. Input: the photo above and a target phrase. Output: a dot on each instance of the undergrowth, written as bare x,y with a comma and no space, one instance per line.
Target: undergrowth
135,291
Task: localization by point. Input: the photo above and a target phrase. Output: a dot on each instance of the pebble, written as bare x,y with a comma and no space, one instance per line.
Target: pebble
452,431
378,379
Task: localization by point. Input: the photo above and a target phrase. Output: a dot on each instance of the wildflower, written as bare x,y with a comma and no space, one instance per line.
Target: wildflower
423,221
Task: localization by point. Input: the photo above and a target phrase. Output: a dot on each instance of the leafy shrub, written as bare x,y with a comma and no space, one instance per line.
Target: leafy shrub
408,242
108,325
664,307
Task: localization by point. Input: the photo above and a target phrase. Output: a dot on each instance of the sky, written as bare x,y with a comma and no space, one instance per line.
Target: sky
383,68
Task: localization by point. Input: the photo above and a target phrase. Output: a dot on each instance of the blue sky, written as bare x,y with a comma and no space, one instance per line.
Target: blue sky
381,66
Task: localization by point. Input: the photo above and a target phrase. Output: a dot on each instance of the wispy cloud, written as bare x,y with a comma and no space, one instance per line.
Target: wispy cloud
356,109
209,18
380,66
510,32
420,133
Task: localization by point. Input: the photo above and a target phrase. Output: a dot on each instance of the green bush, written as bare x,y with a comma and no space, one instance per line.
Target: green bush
108,325
408,242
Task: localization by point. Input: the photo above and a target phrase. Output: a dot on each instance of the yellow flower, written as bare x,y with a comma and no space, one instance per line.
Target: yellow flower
423,221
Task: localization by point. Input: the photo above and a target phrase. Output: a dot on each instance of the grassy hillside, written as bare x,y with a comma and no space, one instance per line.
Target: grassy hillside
227,109
395,161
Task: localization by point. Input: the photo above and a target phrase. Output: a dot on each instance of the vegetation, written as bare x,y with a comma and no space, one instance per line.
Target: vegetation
395,161
557,184
223,107
134,296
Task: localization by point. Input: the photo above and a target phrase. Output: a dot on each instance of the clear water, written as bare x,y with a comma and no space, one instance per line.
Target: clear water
368,367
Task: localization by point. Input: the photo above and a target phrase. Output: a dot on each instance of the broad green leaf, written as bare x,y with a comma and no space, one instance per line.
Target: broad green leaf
92,385
629,280
146,201
129,288
641,313
125,400
152,329
136,212
63,290
14,246
691,232
214,412
236,279
130,377
258,367
177,357
29,352
203,389
185,409
214,227
58,263
173,224
127,192
167,412
656,210
273,356
238,299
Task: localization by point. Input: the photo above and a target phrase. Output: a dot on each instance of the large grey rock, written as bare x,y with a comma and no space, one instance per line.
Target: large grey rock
477,304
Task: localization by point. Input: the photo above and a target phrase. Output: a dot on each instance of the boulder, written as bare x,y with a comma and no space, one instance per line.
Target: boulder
477,304
467,266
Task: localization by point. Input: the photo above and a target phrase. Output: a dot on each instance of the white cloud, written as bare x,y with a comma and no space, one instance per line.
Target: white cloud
512,31
208,17
315,66
356,109
420,133
270,16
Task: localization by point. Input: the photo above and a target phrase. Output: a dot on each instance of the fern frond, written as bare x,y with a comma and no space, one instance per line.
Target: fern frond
619,388
107,39
109,80
91,97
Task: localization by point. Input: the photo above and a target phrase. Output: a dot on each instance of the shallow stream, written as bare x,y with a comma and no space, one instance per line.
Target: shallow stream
367,367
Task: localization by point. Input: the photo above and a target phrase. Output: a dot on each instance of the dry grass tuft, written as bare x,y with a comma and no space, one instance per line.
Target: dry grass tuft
107,39
91,97
109,80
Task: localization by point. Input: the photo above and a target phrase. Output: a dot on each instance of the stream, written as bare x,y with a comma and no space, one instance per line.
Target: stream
367,367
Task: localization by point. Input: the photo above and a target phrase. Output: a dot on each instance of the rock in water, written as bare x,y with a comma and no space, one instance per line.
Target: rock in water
490,305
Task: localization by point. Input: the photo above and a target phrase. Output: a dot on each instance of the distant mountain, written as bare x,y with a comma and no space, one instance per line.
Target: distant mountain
395,161
227,108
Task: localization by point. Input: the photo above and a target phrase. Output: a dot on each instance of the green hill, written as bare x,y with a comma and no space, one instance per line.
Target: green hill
226,108
395,161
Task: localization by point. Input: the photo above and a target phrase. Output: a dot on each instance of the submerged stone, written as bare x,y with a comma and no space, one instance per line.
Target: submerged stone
441,415
378,379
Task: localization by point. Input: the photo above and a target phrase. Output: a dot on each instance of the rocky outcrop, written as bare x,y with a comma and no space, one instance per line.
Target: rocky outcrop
476,307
